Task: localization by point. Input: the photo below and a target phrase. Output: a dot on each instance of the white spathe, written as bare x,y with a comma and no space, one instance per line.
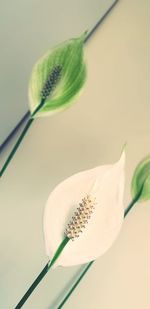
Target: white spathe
106,184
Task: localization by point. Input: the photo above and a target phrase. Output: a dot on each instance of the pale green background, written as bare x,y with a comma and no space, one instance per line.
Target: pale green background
114,108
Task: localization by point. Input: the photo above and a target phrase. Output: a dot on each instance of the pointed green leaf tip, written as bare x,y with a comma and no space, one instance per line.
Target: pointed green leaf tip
57,77
141,180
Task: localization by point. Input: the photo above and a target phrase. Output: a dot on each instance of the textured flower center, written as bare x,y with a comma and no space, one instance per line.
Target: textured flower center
51,81
80,218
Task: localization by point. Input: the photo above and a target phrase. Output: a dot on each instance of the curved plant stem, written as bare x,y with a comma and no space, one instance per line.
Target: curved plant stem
25,130
91,263
42,273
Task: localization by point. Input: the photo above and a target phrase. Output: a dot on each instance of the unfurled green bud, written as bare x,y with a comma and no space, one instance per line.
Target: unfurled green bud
57,78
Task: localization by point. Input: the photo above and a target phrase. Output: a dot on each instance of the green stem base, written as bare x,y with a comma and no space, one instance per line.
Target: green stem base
32,287
42,273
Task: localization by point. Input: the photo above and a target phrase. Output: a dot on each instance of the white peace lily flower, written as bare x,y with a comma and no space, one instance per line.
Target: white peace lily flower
98,195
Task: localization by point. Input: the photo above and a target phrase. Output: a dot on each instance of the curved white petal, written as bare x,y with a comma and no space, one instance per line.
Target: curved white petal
106,184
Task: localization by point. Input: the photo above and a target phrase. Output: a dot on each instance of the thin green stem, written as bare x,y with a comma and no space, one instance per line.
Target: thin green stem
42,273
91,263
75,284
12,153
32,287
16,146
135,199
58,252
38,107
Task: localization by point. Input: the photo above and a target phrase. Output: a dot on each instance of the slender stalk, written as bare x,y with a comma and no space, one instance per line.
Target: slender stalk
58,252
42,273
11,155
38,107
32,287
135,199
75,284
91,263
16,146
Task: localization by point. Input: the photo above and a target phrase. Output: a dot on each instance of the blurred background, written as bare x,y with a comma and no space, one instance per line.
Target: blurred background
114,108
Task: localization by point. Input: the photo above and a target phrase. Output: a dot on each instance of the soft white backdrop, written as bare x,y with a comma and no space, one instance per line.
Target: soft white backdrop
113,108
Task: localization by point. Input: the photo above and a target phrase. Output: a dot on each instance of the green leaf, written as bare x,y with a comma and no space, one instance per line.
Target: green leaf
69,58
141,180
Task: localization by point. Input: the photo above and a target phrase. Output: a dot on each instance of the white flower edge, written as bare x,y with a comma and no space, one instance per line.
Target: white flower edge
106,184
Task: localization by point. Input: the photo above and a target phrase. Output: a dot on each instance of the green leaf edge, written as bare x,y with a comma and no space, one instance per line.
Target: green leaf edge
137,183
